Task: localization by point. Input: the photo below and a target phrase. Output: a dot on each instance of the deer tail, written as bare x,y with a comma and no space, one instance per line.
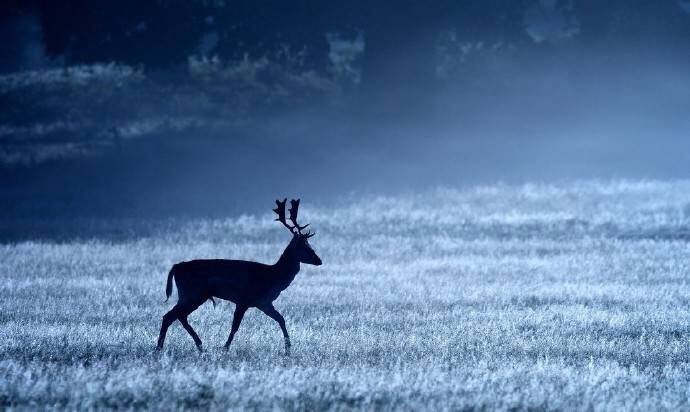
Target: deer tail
168,286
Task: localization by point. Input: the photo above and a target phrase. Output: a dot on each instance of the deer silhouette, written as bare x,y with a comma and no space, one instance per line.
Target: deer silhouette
247,284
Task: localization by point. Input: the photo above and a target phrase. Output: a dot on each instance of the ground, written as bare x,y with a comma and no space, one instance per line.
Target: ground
535,296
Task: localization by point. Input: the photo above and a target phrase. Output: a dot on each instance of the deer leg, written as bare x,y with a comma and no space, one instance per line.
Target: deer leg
190,330
275,315
236,320
168,319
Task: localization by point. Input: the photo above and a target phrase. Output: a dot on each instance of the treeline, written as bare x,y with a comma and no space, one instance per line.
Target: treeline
402,39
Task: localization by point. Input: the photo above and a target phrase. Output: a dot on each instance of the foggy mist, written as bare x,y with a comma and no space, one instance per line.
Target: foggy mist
474,94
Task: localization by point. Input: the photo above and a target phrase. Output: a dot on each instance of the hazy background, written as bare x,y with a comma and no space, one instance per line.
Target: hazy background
176,109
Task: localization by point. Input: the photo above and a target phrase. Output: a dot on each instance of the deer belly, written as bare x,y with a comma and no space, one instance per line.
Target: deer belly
228,295
229,289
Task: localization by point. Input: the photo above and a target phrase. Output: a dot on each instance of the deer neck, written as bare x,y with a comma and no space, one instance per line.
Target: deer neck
288,264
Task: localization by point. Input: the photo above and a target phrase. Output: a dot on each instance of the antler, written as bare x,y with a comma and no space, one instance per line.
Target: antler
280,211
294,208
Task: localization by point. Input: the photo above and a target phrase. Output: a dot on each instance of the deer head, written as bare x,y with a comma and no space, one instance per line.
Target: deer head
300,241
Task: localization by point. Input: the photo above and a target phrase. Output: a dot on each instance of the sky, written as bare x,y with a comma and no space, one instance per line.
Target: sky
213,108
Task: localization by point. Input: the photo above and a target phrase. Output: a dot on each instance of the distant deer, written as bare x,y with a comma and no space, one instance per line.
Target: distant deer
247,284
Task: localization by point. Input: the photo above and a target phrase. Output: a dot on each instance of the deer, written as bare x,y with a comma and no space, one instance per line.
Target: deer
247,284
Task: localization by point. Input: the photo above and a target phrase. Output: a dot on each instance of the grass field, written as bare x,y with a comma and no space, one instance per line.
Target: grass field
555,297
